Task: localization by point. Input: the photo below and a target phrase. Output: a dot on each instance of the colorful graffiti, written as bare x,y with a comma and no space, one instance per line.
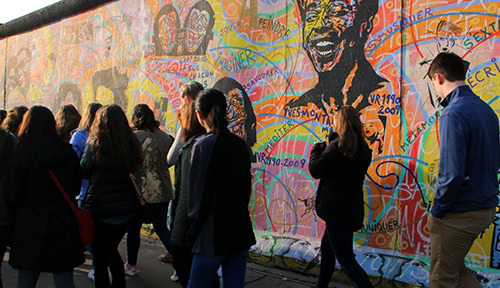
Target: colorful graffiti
285,66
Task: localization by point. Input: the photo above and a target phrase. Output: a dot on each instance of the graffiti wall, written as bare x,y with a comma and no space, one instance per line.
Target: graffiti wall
284,66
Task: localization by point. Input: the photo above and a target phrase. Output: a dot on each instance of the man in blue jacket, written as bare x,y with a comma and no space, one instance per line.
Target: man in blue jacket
466,192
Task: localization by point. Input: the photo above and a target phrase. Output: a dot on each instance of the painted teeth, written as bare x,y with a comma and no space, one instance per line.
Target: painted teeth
324,43
324,53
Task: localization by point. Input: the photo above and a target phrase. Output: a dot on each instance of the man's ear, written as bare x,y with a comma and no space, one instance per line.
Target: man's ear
440,78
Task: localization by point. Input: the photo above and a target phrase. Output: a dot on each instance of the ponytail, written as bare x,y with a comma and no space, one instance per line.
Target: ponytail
219,120
211,103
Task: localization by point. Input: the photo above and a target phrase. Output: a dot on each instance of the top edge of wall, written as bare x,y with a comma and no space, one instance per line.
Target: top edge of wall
47,15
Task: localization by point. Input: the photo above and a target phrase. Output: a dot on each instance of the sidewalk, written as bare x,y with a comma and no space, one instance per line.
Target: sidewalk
154,273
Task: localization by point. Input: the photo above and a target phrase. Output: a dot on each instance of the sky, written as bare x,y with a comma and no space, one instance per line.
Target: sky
12,9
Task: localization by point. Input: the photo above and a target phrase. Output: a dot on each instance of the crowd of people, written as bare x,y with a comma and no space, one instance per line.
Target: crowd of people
114,168
118,170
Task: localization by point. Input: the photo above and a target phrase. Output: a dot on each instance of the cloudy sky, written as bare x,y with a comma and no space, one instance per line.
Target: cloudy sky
12,9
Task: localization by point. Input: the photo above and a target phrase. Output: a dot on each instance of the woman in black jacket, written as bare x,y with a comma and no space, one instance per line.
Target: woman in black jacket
341,166
218,195
112,153
45,236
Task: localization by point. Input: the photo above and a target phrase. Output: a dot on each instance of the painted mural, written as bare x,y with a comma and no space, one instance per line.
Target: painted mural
284,67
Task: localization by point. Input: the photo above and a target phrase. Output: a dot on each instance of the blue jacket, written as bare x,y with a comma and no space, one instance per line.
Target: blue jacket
470,155
78,141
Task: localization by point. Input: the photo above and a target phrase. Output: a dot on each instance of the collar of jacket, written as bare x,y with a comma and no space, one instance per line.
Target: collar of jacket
190,140
458,92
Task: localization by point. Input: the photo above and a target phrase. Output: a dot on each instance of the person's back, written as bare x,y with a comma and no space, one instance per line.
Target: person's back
7,144
45,235
44,225
476,126
229,164
155,182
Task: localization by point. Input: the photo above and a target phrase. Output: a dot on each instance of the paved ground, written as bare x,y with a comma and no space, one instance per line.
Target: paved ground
153,273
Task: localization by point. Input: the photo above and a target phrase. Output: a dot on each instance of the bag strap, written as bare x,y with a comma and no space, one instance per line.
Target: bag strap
61,189
139,195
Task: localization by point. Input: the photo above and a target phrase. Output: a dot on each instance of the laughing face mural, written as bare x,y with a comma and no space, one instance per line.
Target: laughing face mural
334,34
326,30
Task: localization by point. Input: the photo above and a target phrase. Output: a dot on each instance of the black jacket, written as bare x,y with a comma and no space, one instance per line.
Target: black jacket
111,192
7,145
184,228
45,234
218,194
339,199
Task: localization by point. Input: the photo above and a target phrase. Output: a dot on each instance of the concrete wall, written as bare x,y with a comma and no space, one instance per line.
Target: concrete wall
281,66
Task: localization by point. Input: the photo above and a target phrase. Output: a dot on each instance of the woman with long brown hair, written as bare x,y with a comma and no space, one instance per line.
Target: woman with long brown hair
341,166
45,236
112,153
190,130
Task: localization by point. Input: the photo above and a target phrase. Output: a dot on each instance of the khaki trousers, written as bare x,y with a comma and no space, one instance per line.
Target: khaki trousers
451,239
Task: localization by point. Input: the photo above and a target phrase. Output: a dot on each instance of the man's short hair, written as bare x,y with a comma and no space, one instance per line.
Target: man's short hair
450,65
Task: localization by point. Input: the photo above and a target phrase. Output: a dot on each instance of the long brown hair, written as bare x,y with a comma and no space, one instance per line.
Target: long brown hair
187,113
350,131
38,122
67,120
110,132
89,116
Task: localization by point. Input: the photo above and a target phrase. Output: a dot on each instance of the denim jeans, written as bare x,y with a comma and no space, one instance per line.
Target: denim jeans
28,279
204,270
159,212
4,237
337,244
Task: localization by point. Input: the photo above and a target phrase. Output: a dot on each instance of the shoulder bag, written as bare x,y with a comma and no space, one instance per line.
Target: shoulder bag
83,217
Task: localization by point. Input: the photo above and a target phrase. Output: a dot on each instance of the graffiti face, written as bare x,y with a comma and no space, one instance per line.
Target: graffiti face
196,29
446,35
171,38
325,26
167,26
236,112
240,114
